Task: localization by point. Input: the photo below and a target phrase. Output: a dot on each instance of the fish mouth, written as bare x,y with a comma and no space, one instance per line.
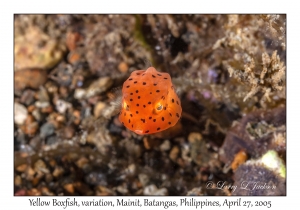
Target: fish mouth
139,131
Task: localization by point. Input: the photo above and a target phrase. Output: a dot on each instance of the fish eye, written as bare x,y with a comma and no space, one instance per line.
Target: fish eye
124,105
159,107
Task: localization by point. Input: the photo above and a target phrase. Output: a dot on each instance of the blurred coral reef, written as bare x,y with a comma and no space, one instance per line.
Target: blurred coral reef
229,72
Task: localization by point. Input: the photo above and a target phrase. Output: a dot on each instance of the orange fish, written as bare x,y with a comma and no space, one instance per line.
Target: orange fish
149,103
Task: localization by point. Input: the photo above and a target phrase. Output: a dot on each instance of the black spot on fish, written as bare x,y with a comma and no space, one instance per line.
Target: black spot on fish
162,118
158,129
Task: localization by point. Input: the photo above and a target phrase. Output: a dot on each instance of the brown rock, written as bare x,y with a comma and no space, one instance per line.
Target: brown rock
34,192
77,118
52,163
146,143
18,181
81,162
101,191
69,188
48,178
47,109
68,132
36,180
99,108
64,91
51,87
27,97
83,189
58,171
30,173
32,78
35,49
74,57
72,39
46,191
31,108
40,165
30,126
174,153
123,67
29,119
22,168
193,137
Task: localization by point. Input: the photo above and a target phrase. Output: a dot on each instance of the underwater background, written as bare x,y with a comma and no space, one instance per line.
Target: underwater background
229,72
